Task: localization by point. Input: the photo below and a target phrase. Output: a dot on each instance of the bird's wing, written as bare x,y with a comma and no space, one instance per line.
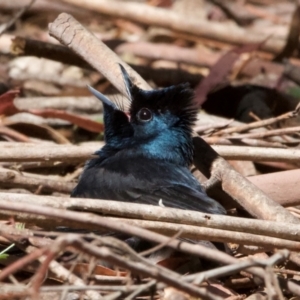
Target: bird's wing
146,183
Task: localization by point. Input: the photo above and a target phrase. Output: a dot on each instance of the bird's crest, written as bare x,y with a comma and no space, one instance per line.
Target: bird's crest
177,99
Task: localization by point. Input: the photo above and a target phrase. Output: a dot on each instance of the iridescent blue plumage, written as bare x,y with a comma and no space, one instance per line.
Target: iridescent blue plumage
147,155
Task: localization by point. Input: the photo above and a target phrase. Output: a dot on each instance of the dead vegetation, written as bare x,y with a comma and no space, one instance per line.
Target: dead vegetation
242,59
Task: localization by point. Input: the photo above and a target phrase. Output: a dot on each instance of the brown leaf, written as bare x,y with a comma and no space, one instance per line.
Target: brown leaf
82,268
220,69
7,106
173,263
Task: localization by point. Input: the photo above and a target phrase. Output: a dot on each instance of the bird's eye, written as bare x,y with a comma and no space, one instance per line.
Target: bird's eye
144,115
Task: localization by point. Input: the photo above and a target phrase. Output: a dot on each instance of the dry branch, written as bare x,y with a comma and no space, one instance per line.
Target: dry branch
146,14
16,179
66,153
83,218
30,152
71,33
269,133
174,53
78,104
242,190
261,123
213,228
231,269
136,263
258,153
153,213
276,185
112,225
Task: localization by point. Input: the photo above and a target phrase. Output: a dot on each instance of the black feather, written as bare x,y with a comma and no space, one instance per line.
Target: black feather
146,160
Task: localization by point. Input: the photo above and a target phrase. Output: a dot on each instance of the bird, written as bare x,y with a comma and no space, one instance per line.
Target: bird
147,151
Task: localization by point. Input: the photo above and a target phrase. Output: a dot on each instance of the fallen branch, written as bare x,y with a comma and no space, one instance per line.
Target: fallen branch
150,213
269,133
277,184
242,190
146,14
30,152
258,153
15,179
192,249
261,123
10,152
71,33
136,263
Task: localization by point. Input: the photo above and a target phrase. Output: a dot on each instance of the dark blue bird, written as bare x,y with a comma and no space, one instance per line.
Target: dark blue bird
147,154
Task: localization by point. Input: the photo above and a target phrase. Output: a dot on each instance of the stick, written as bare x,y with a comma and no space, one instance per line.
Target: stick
146,14
192,249
154,213
68,31
10,152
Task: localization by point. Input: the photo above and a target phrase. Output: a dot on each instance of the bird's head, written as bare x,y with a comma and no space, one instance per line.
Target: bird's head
160,121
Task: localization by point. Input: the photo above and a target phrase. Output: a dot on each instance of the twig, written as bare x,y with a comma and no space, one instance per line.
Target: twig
258,124
225,141
192,249
30,152
273,132
24,46
10,152
56,268
148,212
216,235
178,54
234,268
162,76
18,265
167,228
141,289
136,264
32,183
13,20
74,104
61,273
293,36
258,153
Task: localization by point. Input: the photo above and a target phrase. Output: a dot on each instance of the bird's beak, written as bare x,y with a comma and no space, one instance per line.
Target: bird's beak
101,97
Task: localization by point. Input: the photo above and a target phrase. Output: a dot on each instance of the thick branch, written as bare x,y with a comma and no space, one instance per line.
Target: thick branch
71,33
242,190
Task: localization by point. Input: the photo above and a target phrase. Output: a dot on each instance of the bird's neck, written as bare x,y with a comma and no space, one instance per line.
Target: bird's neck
175,147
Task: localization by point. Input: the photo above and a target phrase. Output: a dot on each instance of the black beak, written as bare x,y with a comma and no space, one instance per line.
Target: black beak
101,97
